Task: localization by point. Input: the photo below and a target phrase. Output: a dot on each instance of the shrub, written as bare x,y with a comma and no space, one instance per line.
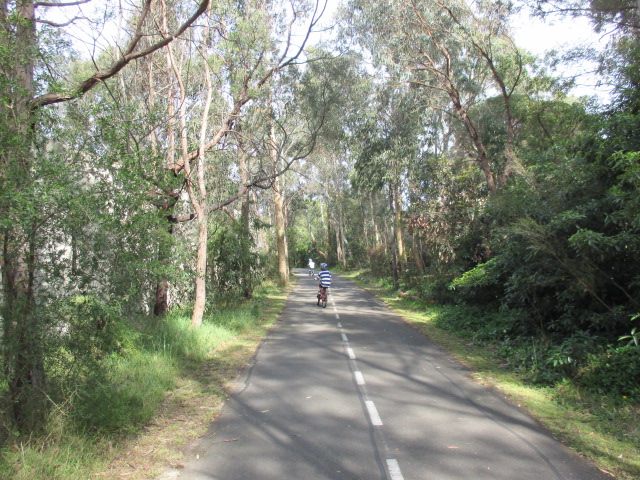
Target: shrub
615,372
481,284
435,288
478,324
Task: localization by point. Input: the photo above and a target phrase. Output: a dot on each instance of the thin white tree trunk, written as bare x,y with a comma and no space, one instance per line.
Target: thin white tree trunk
197,195
202,211
281,240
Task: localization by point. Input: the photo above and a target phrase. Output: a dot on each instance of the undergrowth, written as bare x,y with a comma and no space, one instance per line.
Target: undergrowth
164,362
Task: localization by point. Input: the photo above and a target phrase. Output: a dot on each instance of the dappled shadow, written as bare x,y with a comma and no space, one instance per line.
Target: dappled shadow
298,412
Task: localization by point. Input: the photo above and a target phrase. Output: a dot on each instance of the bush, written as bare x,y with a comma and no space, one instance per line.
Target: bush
234,267
547,361
480,325
481,284
436,289
615,372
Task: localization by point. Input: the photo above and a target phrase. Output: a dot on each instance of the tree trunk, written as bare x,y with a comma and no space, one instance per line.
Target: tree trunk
376,230
281,240
397,224
201,271
394,243
245,232
417,251
198,192
161,303
365,230
481,151
200,202
330,249
22,350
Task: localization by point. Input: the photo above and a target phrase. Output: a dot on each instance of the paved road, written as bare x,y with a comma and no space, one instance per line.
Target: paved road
352,392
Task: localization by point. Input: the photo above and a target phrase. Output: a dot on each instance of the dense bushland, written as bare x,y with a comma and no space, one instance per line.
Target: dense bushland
546,270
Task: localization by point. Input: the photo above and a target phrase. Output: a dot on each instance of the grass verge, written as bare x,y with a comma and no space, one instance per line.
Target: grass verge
607,434
155,400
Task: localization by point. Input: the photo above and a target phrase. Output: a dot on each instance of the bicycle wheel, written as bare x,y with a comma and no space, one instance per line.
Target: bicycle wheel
324,301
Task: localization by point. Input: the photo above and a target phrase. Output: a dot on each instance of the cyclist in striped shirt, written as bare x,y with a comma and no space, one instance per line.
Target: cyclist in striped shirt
324,275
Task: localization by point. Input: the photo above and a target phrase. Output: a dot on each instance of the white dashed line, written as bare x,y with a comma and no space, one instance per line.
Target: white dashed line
392,464
394,469
373,413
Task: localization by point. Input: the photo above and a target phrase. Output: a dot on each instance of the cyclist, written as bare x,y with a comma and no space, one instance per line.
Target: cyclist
324,275
312,266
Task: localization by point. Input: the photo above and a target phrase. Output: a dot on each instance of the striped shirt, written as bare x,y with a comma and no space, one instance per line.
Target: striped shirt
325,278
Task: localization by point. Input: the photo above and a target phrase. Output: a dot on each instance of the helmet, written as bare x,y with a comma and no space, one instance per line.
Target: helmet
311,260
323,265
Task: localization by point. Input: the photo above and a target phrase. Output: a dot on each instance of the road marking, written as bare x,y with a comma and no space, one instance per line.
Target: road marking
373,413
393,466
394,469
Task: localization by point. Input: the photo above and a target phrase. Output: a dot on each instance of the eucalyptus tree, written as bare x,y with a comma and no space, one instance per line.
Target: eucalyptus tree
487,31
28,87
452,53
392,141
210,77
294,130
335,90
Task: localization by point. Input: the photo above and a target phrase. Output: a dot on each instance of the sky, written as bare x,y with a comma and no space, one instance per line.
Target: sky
539,37
533,34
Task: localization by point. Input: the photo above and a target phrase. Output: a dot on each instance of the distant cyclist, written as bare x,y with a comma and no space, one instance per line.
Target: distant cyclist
312,267
324,275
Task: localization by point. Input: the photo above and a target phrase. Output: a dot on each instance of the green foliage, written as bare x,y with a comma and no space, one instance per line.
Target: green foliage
93,327
433,288
234,266
61,456
615,373
174,336
125,396
480,325
547,361
123,383
85,333
633,338
481,284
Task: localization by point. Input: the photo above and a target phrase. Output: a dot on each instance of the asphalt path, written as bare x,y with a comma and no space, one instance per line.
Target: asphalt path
352,392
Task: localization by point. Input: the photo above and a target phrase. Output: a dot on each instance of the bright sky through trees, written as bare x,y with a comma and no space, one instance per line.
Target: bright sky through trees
538,37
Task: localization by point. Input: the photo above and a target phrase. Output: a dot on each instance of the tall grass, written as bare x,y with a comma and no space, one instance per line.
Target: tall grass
126,389
175,338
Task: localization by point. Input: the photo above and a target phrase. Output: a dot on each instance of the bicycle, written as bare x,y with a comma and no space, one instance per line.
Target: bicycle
322,297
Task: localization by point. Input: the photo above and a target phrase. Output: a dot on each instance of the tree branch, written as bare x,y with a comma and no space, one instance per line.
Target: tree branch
55,4
53,24
131,54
